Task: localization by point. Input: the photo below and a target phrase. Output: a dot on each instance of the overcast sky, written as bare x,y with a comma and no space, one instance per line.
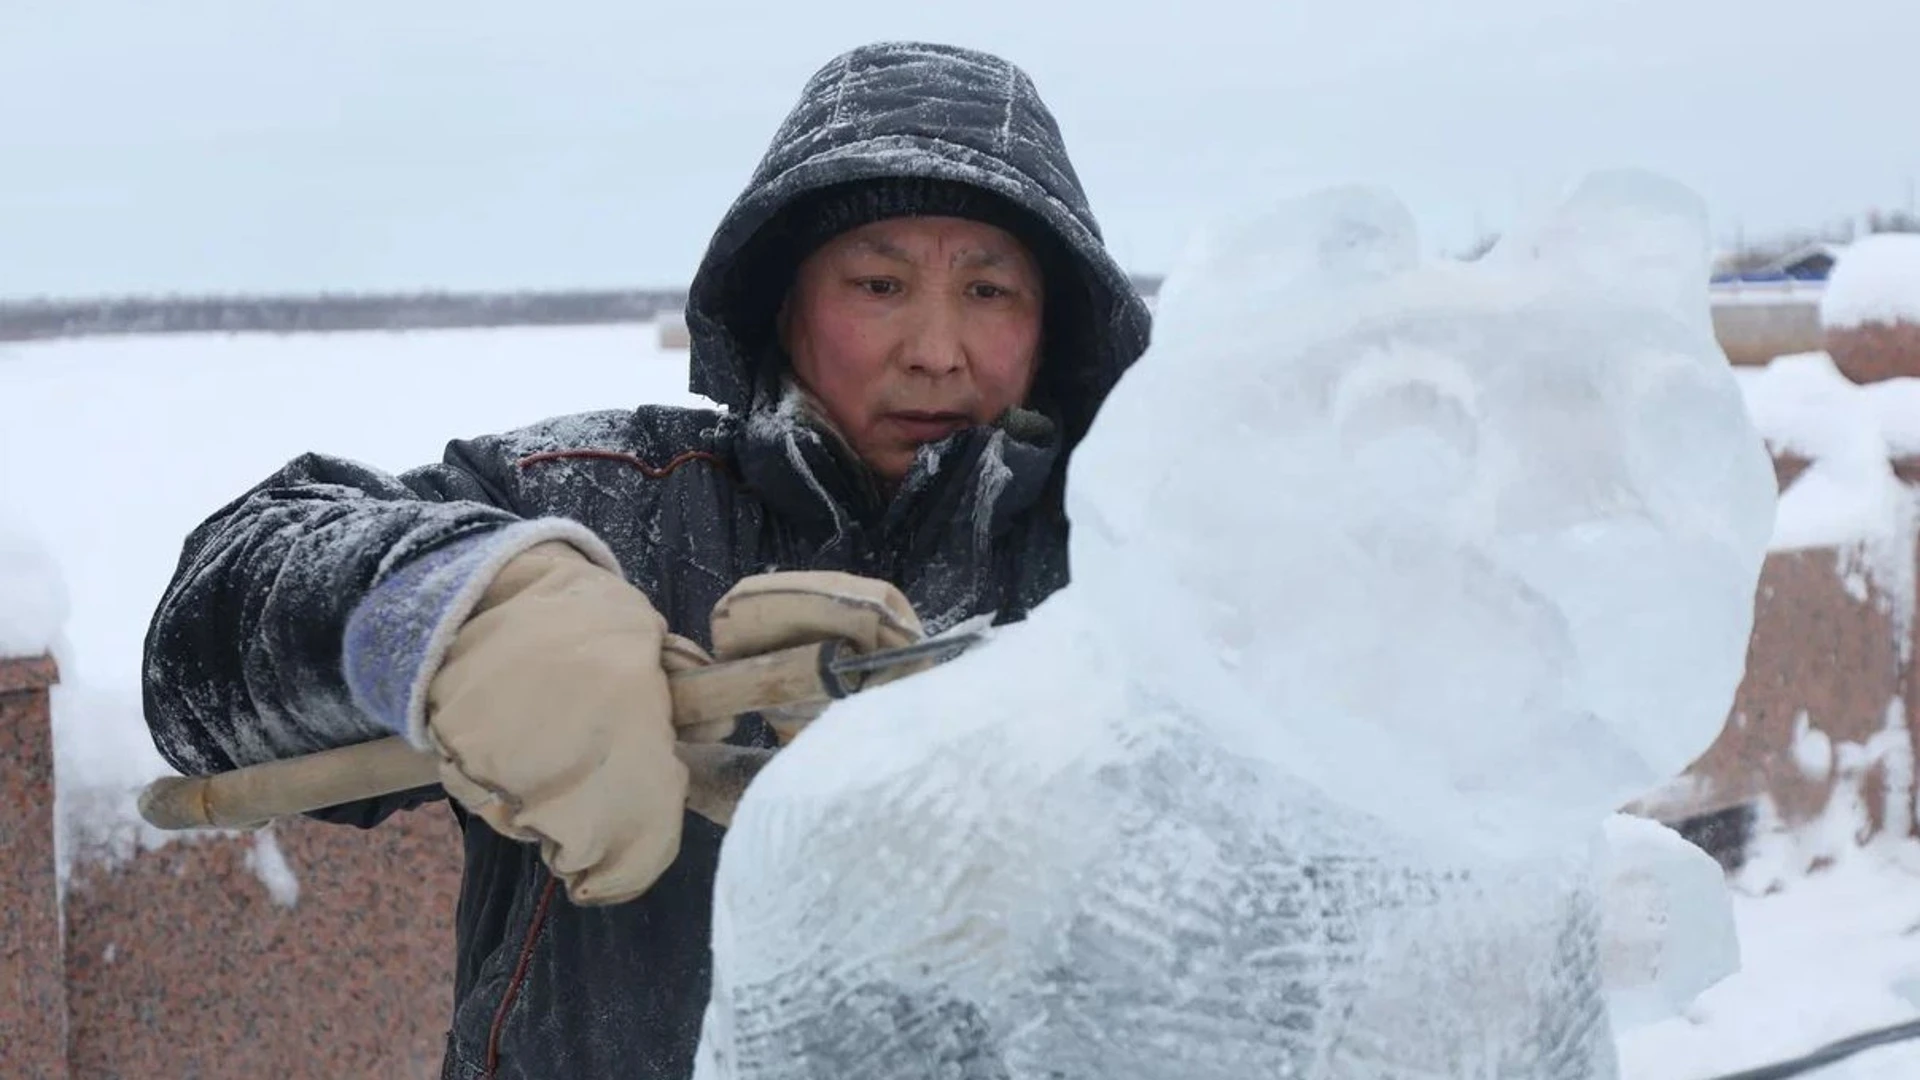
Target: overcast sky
245,145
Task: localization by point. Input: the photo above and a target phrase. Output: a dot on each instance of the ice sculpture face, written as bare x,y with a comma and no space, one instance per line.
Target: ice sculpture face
1478,541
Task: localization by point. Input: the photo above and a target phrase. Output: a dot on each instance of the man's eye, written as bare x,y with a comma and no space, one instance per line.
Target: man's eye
987,290
879,286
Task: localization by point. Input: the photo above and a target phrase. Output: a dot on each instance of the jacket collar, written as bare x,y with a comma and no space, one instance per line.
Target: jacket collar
965,490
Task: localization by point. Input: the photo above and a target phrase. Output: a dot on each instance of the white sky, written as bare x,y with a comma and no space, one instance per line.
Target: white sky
241,145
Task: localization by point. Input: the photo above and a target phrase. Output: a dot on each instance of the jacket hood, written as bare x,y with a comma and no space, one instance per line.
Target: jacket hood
944,113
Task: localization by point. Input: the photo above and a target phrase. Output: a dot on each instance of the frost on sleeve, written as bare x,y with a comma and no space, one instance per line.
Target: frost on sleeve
243,655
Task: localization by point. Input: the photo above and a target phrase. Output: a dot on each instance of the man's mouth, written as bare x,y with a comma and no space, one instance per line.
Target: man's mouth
925,425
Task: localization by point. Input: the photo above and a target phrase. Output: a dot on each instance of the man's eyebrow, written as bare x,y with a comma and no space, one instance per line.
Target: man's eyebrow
882,248
980,258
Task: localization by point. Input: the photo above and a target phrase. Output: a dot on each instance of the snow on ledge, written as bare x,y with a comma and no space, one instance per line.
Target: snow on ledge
1876,281
1850,434
1849,497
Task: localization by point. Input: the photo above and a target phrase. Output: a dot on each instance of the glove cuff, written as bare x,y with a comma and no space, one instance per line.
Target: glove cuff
399,633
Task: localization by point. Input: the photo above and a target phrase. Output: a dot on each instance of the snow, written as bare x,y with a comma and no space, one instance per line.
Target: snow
115,448
1812,749
1306,771
1850,433
1823,957
269,864
1849,497
1872,780
1803,405
1877,280
33,598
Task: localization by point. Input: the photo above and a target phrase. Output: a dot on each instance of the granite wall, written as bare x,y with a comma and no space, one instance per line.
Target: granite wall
33,987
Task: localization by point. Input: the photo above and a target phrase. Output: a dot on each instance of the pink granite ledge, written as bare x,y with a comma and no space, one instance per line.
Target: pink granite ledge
25,675
33,989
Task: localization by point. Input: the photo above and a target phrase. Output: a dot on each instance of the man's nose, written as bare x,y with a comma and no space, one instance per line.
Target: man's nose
933,345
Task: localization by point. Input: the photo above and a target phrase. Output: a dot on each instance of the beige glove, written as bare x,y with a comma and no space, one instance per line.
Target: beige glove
780,610
554,722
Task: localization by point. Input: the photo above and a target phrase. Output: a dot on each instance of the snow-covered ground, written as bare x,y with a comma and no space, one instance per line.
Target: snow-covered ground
1823,958
113,449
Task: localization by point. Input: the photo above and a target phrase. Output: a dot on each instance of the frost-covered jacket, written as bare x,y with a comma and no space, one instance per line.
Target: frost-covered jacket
302,615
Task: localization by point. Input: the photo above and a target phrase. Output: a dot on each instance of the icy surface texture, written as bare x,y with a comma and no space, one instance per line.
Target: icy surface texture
1667,924
1391,579
1491,529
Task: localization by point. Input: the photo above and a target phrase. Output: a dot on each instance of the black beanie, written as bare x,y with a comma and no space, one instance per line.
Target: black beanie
765,268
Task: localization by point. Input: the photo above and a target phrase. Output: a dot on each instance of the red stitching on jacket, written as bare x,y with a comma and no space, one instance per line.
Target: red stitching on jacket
519,977
652,471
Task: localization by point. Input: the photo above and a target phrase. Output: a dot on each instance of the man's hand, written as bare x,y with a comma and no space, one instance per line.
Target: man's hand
781,610
554,722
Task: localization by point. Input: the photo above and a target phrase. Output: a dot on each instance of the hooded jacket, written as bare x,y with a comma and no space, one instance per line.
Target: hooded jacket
299,614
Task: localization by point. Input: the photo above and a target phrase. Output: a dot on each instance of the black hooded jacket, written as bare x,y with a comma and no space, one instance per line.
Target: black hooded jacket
244,654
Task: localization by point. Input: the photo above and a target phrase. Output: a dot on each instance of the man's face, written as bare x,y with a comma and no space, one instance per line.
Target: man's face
909,329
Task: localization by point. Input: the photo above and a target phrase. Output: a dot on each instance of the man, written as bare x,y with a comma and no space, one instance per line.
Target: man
910,318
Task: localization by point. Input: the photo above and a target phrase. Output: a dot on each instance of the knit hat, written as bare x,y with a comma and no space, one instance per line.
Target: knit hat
765,268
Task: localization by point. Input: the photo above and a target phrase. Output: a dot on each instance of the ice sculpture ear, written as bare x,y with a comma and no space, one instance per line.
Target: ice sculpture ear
1637,235
1248,288
1262,260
